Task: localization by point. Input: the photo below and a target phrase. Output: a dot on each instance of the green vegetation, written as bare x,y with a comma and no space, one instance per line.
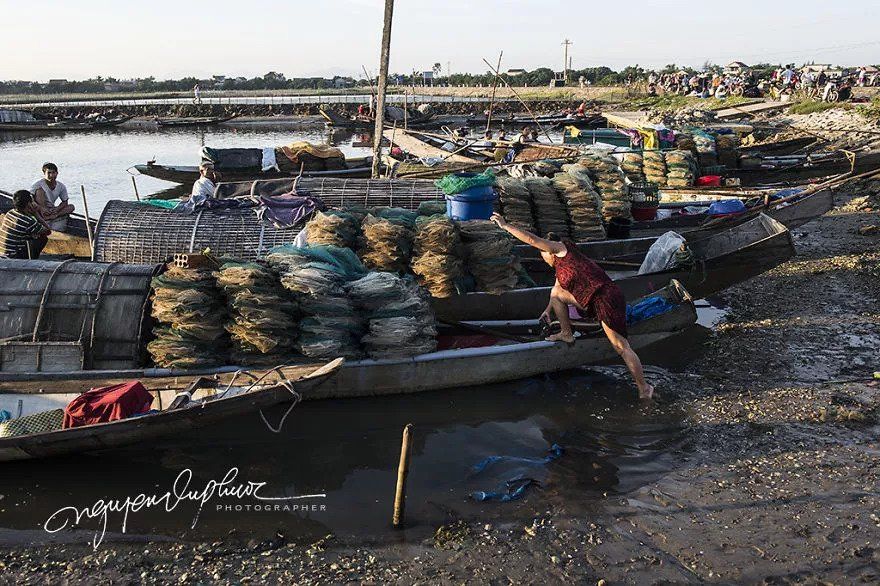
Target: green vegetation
813,106
871,109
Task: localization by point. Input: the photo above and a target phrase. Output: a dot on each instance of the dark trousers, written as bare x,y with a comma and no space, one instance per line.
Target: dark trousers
34,248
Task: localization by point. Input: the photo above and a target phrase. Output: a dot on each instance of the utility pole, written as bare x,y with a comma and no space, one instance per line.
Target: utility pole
382,83
565,44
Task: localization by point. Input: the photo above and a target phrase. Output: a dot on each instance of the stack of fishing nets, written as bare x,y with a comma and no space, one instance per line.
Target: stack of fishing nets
610,182
334,227
191,313
685,142
386,239
435,260
262,315
550,213
400,322
317,276
706,150
432,208
632,166
682,168
489,256
655,167
582,201
516,203
727,147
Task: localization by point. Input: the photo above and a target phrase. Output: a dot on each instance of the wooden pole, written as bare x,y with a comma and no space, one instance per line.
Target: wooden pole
402,473
405,109
521,101
494,88
88,220
383,82
134,183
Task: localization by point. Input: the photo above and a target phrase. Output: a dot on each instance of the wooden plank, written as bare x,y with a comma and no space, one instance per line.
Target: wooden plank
752,108
421,149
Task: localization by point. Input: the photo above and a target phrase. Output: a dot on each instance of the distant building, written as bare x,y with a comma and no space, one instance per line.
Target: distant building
516,72
57,82
735,68
121,85
343,82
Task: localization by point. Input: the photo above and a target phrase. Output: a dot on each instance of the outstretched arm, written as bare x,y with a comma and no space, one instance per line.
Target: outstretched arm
527,237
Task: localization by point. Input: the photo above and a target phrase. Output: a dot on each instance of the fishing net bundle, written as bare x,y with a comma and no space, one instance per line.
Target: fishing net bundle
262,315
516,202
489,256
610,183
334,227
685,142
432,208
727,147
632,166
654,165
386,239
682,168
400,322
435,260
318,275
190,311
454,183
582,202
550,212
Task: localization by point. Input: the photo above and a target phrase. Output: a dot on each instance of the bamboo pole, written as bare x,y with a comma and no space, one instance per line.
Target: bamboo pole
402,472
88,221
494,89
134,183
521,101
382,84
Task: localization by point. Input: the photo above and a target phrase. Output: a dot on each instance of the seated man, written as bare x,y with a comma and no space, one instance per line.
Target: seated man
205,185
22,234
50,198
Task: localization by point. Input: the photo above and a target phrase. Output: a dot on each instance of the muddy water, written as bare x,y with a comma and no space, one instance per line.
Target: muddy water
98,160
348,450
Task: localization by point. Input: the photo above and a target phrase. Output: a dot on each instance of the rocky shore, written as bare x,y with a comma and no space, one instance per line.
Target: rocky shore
778,482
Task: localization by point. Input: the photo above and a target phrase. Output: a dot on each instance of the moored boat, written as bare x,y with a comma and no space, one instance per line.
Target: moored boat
188,174
193,121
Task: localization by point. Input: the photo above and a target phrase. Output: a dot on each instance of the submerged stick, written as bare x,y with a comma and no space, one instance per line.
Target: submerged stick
402,473
137,196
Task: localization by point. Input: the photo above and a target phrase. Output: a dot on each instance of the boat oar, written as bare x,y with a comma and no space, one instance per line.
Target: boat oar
487,331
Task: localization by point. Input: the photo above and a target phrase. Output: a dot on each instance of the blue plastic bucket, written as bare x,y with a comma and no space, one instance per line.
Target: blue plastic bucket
476,203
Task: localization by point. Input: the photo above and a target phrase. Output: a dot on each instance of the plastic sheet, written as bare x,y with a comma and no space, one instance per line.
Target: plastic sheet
661,255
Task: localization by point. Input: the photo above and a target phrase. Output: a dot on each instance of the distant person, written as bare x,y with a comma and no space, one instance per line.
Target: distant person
788,76
197,94
822,79
487,140
22,234
51,199
205,185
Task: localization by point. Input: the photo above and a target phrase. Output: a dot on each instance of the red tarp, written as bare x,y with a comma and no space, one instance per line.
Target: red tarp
104,404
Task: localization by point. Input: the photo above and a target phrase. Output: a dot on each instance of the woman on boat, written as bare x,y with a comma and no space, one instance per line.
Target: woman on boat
582,283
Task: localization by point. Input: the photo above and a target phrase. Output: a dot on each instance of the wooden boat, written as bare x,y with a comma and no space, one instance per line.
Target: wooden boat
74,241
193,121
770,168
46,126
722,259
188,174
24,393
553,121
336,120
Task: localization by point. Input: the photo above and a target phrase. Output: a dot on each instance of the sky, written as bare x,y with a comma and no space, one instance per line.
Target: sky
79,39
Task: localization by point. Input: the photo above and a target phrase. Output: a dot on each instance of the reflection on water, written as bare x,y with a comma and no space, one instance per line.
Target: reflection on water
349,450
98,160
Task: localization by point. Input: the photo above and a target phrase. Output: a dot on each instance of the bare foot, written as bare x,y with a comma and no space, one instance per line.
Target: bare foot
561,337
646,393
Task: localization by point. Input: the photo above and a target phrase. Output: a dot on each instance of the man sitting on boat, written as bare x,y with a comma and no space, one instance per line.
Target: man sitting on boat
22,234
205,185
583,284
51,199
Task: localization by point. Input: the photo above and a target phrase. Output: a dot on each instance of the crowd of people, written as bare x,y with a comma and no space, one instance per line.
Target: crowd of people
36,212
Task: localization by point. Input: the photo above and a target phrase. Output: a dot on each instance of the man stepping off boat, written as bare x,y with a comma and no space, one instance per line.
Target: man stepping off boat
51,199
582,283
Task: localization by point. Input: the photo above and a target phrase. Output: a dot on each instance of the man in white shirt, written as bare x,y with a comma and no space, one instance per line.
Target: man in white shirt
51,199
204,186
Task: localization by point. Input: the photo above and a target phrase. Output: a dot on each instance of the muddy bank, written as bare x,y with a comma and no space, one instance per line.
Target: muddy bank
776,483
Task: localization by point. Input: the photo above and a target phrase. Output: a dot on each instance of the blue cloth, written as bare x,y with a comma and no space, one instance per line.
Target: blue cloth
515,487
5,415
726,206
647,308
786,192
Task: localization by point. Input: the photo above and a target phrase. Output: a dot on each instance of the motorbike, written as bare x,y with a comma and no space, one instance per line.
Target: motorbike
838,90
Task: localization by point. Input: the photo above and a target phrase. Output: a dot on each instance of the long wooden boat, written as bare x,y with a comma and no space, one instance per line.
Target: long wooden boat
336,120
767,169
721,259
193,121
188,174
74,241
552,120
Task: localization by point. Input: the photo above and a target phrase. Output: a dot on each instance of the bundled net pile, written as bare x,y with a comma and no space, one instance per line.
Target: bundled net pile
655,167
400,322
685,142
191,313
432,208
727,146
436,261
582,201
386,240
550,214
262,315
334,227
516,203
632,166
706,151
317,276
489,256
610,182
682,168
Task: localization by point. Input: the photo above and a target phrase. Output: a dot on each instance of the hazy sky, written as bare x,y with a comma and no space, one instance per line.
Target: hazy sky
77,39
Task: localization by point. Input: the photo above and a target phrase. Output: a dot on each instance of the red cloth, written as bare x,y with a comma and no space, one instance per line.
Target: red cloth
609,306
104,404
708,181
